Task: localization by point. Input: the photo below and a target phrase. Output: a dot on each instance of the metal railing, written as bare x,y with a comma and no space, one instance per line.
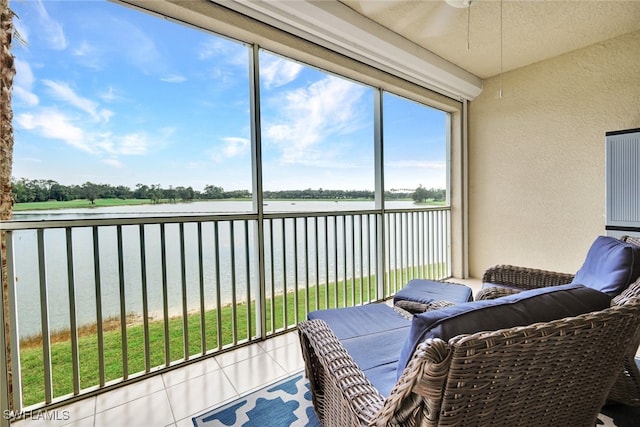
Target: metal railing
94,304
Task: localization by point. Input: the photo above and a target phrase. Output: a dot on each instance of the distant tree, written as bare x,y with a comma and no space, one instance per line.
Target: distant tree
122,192
141,191
90,191
170,194
420,195
59,192
185,194
155,193
213,192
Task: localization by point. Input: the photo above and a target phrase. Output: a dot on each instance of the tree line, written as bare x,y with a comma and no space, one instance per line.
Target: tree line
41,190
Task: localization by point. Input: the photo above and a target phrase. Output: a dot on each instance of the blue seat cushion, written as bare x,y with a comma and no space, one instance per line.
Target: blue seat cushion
349,322
521,309
611,265
373,335
377,355
426,291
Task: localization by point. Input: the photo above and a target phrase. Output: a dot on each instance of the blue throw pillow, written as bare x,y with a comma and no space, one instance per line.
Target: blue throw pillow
611,266
524,308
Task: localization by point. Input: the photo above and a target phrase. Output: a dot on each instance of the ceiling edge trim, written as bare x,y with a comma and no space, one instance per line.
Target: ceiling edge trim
337,27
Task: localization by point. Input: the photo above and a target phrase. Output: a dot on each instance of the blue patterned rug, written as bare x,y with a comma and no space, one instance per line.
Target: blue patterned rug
288,403
284,403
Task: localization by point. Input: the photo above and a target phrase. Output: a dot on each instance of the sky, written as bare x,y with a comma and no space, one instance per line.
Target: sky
107,94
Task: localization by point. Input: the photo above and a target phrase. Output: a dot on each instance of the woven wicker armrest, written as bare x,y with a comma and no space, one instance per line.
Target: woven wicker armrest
418,392
415,307
626,389
340,390
631,239
524,278
493,293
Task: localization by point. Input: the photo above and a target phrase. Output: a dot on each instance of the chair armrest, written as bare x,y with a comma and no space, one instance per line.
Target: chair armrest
631,239
494,292
626,389
415,307
632,291
524,278
339,388
419,388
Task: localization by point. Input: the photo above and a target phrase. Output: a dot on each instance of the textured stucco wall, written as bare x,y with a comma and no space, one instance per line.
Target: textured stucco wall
536,156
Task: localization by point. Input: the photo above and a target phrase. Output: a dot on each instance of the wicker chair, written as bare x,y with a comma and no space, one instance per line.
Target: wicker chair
626,389
523,278
556,373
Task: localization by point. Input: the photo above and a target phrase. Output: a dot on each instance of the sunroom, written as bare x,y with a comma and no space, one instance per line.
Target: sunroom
521,95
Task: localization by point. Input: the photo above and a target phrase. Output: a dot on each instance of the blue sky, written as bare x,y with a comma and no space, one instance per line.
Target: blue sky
107,94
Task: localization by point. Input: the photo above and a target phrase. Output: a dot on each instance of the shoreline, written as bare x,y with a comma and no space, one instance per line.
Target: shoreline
35,207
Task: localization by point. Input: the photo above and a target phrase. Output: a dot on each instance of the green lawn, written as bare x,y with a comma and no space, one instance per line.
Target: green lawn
80,203
219,332
218,327
84,203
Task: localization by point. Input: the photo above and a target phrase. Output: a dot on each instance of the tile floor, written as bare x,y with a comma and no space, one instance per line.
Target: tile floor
173,398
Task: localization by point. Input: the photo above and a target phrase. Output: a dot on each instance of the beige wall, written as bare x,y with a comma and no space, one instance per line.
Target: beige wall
536,156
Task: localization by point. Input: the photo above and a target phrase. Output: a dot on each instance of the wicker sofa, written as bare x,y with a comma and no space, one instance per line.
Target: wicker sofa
547,356
554,373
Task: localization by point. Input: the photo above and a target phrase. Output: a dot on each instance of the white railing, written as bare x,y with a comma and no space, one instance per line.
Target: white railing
95,304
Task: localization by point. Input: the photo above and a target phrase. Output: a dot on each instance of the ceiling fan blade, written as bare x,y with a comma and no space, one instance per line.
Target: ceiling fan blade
438,23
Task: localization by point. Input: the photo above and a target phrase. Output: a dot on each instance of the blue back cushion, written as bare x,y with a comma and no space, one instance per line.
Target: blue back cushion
524,308
611,266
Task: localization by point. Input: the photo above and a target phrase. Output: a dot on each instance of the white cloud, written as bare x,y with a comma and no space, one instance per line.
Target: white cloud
109,95
55,125
141,49
310,116
23,84
210,48
49,29
114,39
133,144
276,71
30,99
83,49
174,78
235,146
24,75
223,51
115,163
63,92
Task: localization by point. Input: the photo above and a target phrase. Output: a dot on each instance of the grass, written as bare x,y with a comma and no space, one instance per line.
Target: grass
85,203
78,203
219,333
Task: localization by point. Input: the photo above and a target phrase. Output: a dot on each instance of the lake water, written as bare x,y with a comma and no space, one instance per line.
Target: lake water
226,266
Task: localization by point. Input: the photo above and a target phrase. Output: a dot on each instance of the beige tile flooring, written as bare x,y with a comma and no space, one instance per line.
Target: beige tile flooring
173,398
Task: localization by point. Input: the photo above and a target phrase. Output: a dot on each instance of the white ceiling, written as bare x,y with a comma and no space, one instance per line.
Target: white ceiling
532,30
